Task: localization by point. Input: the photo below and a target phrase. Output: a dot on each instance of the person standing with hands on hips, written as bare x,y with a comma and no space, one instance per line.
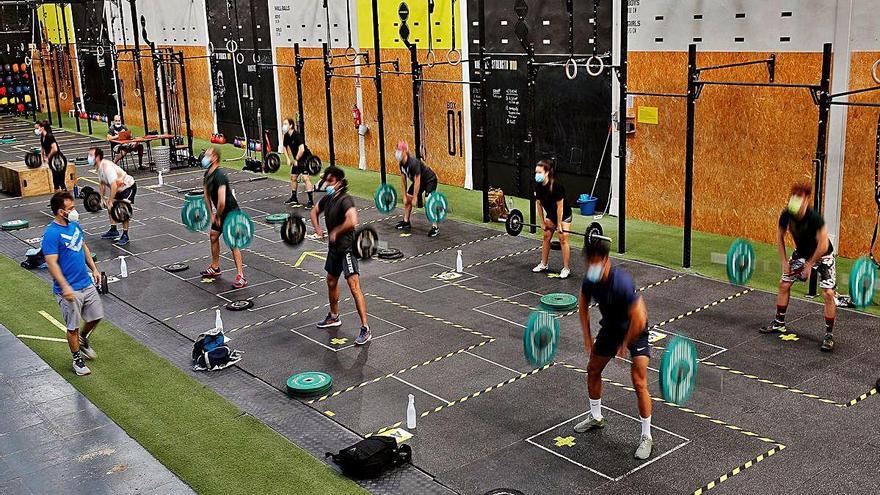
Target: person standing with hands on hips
554,214
75,278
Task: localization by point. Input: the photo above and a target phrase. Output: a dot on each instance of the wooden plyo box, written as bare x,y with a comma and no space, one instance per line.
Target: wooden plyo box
17,179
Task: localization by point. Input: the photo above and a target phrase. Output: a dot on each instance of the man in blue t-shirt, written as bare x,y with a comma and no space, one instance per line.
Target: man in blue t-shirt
624,325
75,274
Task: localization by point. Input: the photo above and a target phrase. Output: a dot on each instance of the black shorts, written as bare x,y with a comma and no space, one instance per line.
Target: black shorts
298,167
424,188
128,193
341,262
222,220
609,341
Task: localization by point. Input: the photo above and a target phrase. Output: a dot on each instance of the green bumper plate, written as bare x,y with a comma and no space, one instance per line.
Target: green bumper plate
277,218
740,262
15,225
559,301
541,338
678,370
863,282
309,383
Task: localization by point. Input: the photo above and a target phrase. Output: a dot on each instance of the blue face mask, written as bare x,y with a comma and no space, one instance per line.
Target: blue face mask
330,190
594,272
206,162
91,159
539,178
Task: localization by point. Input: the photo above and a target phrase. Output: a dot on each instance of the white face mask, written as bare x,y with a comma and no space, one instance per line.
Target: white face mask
594,272
37,132
73,216
398,155
285,128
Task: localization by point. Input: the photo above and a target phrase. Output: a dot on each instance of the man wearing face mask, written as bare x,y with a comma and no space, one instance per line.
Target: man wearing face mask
624,326
70,264
341,218
423,182
118,186
49,148
813,250
296,152
220,200
118,130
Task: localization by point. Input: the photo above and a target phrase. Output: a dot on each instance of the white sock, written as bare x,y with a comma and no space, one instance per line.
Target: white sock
646,426
596,408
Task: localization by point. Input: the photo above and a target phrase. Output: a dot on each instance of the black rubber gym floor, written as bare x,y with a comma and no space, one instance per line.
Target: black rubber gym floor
771,413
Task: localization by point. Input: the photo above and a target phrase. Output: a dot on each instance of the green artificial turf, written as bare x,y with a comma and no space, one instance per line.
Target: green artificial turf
204,439
645,241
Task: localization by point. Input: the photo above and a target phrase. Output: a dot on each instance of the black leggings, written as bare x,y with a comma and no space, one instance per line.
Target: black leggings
58,179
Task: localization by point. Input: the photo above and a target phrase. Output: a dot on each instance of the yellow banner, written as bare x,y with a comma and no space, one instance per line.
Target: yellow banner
389,24
649,115
52,23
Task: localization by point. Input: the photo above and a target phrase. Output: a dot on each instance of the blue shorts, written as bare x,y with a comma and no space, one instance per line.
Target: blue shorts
608,341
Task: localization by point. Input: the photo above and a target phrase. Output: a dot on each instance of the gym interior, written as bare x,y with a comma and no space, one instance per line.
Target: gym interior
679,129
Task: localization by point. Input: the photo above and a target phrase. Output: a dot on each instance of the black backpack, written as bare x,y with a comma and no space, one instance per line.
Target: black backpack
371,457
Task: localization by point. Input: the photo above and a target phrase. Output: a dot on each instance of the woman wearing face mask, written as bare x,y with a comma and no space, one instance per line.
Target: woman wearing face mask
812,250
296,152
76,276
554,214
48,149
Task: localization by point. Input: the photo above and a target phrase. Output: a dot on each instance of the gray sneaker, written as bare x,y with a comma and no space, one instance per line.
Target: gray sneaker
590,424
85,348
80,368
645,446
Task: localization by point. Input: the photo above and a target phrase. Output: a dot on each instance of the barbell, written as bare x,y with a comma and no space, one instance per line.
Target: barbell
515,222
312,163
366,239
436,206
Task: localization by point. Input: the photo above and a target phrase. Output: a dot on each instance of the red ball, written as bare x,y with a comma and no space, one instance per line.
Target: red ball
20,108
2,90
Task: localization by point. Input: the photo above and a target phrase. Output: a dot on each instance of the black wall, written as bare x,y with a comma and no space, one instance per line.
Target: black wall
234,20
90,27
571,118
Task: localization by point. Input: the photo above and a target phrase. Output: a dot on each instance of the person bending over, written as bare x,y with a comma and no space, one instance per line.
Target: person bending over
624,326
220,201
423,181
114,185
341,218
296,152
813,251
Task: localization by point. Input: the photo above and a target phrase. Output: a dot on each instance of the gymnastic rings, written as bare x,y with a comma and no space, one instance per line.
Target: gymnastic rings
351,54
231,46
593,68
210,49
137,92
27,61
874,74
239,58
99,51
571,68
255,58
63,96
431,58
453,57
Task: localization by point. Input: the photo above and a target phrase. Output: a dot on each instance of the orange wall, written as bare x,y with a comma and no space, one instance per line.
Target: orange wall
65,88
858,209
750,143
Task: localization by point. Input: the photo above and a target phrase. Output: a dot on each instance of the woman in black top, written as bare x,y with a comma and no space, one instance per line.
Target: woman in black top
48,149
551,206
296,152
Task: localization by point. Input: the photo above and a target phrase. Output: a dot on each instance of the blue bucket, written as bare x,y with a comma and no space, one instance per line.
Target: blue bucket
587,204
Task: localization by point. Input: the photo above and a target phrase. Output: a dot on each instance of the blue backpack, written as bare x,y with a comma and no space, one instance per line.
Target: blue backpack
210,352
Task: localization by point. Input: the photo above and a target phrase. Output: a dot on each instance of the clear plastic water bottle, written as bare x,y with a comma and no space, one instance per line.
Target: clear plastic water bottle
218,322
123,268
411,413
459,266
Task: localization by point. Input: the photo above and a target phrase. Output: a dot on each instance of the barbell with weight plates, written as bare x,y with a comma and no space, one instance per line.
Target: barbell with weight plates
92,201
121,211
58,162
366,239
32,158
515,222
436,206
312,163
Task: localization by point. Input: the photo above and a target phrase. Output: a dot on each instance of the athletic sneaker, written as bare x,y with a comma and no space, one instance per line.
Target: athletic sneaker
564,273
310,205
113,233
646,444
210,272
330,321
774,327
122,241
540,268
85,349
401,225
827,343
240,282
292,200
80,368
364,337
434,232
590,424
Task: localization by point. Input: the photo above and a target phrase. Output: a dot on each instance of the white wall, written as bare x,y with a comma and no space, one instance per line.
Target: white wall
169,22
305,22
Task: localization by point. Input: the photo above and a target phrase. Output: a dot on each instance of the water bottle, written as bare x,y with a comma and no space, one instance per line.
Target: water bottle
123,268
411,413
458,264
218,322
75,190
161,180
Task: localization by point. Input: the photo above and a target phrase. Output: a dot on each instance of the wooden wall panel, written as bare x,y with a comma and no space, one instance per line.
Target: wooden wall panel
751,144
858,209
199,91
64,86
131,101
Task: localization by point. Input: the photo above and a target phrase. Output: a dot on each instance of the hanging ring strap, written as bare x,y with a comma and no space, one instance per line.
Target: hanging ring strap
571,68
874,71
453,57
595,65
431,58
99,51
232,46
876,192
351,54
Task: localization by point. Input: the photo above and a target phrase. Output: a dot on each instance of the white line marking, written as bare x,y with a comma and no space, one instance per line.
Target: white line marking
517,373
37,337
448,403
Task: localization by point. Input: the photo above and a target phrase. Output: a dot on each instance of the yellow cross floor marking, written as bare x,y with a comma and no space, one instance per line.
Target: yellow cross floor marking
404,370
53,321
282,262
465,398
405,234
339,341
430,316
330,413
37,337
302,257
564,442
789,337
